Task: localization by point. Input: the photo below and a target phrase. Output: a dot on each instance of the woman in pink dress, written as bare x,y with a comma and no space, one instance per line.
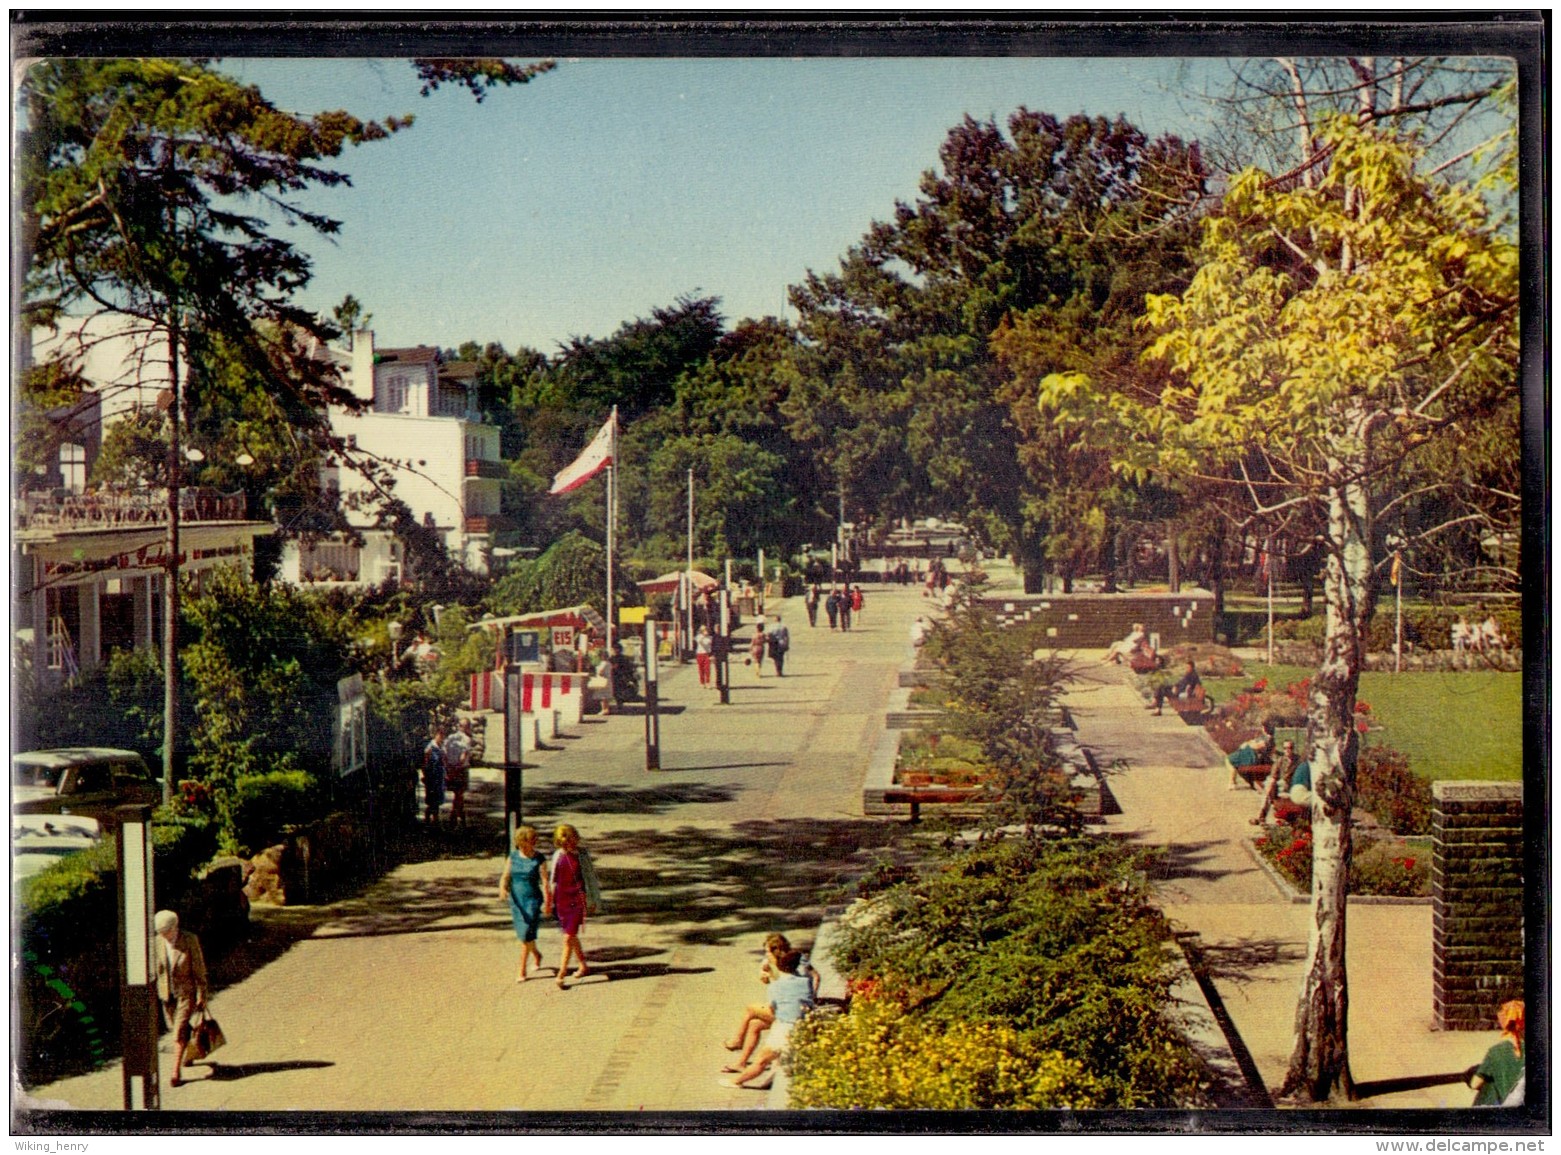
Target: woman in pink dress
569,898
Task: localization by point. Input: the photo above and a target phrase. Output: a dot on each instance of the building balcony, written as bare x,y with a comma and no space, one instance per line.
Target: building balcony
490,470
489,523
113,510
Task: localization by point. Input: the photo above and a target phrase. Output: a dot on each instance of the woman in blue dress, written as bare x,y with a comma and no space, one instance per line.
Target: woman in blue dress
525,884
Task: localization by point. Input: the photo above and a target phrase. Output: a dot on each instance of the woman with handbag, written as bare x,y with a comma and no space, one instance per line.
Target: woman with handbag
575,893
181,982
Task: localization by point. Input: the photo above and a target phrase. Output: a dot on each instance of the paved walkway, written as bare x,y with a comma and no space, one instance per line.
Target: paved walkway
1172,786
404,998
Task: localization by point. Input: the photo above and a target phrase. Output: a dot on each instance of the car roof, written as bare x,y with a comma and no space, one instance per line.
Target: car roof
73,756
32,827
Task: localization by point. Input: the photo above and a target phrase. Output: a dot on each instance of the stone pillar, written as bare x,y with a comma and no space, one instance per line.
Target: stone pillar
1476,900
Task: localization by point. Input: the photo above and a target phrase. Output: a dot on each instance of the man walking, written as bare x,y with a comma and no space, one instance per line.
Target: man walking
810,603
780,642
832,606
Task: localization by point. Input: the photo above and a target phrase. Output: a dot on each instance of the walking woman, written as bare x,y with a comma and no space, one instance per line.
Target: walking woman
758,646
525,883
704,648
181,983
810,603
568,870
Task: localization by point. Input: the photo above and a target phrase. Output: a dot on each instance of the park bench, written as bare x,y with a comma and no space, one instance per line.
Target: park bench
1196,702
1143,663
919,795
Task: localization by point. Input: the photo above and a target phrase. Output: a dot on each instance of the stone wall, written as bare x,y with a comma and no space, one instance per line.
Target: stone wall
1476,901
1094,621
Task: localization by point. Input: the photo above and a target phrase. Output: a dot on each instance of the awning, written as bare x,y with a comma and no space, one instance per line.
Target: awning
668,582
577,616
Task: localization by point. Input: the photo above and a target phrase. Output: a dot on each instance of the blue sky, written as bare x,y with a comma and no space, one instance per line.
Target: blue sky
612,186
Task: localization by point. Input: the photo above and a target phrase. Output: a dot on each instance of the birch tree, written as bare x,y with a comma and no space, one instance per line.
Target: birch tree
1339,334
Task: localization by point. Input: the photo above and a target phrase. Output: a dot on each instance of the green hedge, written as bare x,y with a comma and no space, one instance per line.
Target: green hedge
67,916
1426,627
1050,953
262,806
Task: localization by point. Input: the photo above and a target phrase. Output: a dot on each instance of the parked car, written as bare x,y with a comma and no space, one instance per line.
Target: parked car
38,841
88,781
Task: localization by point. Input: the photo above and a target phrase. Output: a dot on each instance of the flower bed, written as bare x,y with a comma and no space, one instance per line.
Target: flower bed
934,759
1389,867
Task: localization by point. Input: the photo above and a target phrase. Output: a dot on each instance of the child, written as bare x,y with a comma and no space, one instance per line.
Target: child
525,883
791,997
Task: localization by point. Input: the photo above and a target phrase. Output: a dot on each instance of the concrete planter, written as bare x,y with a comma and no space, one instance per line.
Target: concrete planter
1290,894
881,766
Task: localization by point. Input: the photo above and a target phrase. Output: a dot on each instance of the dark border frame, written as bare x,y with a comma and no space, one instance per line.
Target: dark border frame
1522,35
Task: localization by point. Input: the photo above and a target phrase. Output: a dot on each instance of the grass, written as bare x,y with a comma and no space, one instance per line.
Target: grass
1453,725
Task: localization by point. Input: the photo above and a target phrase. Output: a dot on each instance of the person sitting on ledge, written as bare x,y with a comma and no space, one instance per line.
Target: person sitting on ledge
1124,650
1182,688
1252,752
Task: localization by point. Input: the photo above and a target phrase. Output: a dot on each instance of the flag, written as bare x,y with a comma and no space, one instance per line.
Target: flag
1397,571
597,456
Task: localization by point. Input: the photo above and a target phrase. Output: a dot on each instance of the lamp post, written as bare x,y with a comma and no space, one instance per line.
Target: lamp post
394,630
137,983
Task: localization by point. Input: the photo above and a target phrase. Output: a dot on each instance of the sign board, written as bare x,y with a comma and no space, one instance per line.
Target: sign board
563,637
523,646
351,752
632,615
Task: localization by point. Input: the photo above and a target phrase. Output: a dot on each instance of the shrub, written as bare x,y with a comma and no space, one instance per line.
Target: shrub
1289,851
1054,940
1387,867
260,806
1387,788
878,1056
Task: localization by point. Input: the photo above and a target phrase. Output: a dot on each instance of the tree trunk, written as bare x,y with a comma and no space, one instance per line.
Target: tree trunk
1173,561
1108,564
1319,1065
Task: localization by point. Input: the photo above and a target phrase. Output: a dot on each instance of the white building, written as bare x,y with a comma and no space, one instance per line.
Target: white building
421,418
89,565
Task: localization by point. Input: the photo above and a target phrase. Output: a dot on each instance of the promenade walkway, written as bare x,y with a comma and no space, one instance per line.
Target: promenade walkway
404,998
1172,788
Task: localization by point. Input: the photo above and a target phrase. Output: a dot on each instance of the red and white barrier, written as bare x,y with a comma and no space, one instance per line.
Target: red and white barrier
561,695
488,690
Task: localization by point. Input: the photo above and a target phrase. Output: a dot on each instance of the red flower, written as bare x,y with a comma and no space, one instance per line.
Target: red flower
1363,726
1363,707
1409,864
1260,685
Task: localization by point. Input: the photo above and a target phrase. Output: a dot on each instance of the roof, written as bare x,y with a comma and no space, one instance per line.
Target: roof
668,582
569,616
72,755
409,355
458,371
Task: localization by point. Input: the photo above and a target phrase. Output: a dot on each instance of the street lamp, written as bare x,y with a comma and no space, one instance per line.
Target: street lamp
394,630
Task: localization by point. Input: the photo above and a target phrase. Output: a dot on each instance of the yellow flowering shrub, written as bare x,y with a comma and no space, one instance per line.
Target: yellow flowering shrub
879,1057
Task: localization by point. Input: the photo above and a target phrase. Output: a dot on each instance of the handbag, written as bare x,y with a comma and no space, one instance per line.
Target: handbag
205,1037
588,879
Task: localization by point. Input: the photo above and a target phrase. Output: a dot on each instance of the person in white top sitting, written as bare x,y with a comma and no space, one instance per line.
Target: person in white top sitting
1123,651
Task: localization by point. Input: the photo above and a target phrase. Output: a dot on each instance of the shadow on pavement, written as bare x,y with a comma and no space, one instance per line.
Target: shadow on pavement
725,766
726,884
1236,961
1411,1083
227,1073
1181,860
564,798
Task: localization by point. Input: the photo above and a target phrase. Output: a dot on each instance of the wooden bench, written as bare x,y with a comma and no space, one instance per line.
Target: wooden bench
1195,703
917,795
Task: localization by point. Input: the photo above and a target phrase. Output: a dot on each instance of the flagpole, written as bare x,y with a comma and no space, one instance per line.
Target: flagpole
690,594
612,524
1268,565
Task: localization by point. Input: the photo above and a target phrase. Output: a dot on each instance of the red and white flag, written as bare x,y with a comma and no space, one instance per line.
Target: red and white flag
597,456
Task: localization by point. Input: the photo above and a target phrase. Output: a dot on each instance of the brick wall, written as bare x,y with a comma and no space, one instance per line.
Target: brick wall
1476,901
1094,621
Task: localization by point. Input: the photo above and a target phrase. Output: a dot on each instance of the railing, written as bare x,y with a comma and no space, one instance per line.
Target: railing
488,523
110,510
492,470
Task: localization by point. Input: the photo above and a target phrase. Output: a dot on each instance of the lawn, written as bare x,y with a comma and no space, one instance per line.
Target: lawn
1452,725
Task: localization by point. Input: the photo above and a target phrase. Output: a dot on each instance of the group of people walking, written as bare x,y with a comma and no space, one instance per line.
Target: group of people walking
447,762
563,886
841,605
